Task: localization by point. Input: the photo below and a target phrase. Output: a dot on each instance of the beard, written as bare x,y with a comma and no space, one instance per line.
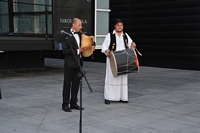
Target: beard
118,31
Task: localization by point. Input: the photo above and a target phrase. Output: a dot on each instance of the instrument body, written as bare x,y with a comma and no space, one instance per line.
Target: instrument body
124,62
87,42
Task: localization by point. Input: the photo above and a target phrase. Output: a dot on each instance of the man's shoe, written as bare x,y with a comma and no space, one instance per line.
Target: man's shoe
107,101
123,101
66,109
76,107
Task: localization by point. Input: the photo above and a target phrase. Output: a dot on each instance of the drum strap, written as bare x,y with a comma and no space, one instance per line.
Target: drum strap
112,46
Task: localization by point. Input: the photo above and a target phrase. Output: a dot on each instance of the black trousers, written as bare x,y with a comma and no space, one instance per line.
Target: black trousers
70,85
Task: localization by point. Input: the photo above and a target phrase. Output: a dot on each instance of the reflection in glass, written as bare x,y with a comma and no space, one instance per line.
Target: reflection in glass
4,18
32,5
32,24
25,17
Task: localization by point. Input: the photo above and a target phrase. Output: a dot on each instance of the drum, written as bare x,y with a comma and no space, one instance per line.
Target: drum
124,62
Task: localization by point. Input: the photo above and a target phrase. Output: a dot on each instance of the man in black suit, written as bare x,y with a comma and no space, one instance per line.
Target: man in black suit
71,67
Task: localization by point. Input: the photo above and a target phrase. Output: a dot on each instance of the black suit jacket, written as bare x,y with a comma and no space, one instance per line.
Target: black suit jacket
70,60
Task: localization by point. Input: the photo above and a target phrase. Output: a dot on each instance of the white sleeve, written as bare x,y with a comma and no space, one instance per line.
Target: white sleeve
129,40
106,43
78,52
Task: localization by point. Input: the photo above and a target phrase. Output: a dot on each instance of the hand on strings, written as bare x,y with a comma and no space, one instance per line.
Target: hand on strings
133,45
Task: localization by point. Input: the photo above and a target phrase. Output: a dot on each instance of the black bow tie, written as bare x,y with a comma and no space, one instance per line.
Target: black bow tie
74,32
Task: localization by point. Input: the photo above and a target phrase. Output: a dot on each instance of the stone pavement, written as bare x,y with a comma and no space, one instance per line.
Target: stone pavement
160,101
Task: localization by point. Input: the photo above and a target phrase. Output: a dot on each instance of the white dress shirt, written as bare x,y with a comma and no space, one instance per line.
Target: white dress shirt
77,39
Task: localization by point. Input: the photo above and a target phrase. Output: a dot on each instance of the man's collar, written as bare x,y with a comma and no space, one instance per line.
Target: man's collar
73,31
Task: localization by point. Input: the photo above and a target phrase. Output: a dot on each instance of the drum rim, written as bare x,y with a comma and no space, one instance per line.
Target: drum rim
114,61
137,59
112,57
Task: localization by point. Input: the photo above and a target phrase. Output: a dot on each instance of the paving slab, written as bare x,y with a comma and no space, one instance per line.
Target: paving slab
161,100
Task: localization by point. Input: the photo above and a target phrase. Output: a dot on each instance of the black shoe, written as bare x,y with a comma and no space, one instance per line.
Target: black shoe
66,109
123,101
76,107
107,101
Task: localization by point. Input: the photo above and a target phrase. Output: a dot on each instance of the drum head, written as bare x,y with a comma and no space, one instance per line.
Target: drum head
113,64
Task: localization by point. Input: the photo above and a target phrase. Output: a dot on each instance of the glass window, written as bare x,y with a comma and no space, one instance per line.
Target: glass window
102,20
43,2
3,7
50,23
23,23
4,24
103,4
23,6
4,18
100,40
102,23
34,24
32,5
24,17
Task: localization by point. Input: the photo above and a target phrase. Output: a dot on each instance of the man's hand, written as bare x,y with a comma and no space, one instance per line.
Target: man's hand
133,45
82,49
107,53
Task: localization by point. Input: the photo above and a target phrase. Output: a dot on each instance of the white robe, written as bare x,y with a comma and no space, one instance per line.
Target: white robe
116,88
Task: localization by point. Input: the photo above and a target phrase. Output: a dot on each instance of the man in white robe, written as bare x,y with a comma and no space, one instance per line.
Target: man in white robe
116,88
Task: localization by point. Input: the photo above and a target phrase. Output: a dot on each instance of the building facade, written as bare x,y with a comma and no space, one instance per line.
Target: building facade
166,32
30,29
